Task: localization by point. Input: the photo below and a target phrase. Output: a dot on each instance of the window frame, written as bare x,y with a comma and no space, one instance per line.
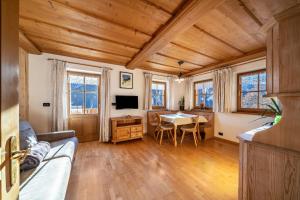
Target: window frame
194,94
165,97
84,94
239,92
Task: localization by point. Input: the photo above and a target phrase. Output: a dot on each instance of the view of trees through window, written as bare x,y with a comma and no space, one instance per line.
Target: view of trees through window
203,94
158,94
252,90
83,93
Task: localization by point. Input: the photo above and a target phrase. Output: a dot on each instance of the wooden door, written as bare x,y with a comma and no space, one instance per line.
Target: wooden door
9,119
83,95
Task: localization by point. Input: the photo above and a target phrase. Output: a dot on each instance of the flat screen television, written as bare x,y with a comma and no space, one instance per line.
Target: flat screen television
127,102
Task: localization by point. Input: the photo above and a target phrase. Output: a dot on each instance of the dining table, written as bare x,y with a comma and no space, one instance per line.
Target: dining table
178,119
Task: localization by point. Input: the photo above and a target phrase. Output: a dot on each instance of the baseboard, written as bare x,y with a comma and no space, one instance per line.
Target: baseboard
224,140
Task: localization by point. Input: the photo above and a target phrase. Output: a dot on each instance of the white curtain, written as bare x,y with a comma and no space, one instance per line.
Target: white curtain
170,94
188,95
105,104
148,92
59,96
222,84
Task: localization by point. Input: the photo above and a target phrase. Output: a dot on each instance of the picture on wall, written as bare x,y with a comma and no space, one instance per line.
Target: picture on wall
126,80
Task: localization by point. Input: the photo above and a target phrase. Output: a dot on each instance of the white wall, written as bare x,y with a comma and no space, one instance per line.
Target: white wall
233,124
40,88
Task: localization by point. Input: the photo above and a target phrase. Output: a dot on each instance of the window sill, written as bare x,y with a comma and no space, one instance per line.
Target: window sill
202,110
253,113
158,108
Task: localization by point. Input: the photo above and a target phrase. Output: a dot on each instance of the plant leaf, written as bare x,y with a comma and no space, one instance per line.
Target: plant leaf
277,106
273,109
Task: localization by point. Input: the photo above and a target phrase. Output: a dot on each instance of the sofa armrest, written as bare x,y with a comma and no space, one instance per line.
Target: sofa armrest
54,136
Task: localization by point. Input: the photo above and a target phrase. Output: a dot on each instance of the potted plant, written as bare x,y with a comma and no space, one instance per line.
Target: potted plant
273,108
181,103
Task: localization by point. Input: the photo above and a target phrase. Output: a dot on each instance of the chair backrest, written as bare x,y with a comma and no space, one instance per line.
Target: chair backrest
196,121
158,118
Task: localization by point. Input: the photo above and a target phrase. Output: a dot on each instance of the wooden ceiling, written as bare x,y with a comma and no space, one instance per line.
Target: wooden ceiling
150,34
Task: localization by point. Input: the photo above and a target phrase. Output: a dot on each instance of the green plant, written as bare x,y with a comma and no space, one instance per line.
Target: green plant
273,108
181,101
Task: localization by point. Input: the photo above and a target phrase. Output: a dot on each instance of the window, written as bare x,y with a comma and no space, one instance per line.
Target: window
203,94
83,93
251,91
158,95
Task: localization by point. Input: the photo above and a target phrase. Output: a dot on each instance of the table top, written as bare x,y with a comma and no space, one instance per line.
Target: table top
178,115
181,118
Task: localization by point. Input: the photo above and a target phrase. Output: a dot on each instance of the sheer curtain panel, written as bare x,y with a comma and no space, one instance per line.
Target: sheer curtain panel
148,92
59,96
222,83
105,104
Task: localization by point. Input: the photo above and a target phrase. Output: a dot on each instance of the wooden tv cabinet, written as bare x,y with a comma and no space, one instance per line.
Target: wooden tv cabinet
126,128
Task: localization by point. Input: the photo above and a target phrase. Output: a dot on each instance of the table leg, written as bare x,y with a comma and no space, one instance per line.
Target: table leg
175,135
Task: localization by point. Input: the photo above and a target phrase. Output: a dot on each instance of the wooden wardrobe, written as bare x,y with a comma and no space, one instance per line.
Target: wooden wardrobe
270,158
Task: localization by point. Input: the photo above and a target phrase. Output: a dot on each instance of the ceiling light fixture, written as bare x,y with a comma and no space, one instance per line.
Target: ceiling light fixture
180,75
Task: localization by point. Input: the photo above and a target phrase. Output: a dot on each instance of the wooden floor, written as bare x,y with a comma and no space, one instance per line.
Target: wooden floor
144,170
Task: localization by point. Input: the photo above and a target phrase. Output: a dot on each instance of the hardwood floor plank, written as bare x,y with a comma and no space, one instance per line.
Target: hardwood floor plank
145,170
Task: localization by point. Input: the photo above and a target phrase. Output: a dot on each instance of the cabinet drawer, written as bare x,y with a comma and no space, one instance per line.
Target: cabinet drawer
123,133
137,134
137,129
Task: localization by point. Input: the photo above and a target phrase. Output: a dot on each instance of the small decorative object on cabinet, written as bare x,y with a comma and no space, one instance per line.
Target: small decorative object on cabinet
126,128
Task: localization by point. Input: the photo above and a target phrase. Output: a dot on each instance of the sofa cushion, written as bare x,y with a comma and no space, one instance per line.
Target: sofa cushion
49,181
27,135
63,148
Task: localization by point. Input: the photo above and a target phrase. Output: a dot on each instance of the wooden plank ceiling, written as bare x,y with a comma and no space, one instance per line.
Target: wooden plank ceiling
150,34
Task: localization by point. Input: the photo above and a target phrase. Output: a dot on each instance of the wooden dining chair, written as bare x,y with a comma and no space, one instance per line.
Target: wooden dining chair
166,127
191,128
155,122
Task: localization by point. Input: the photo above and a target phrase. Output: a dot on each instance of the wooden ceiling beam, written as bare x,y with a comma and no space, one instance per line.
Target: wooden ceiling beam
250,13
27,44
79,32
98,17
161,54
194,51
158,70
157,63
248,56
187,16
218,39
49,46
62,15
79,46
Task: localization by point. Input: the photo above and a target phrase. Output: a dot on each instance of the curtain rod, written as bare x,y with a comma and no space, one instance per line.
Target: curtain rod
80,64
230,66
158,74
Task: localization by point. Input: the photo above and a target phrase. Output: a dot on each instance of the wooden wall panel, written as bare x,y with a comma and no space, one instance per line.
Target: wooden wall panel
288,53
23,84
